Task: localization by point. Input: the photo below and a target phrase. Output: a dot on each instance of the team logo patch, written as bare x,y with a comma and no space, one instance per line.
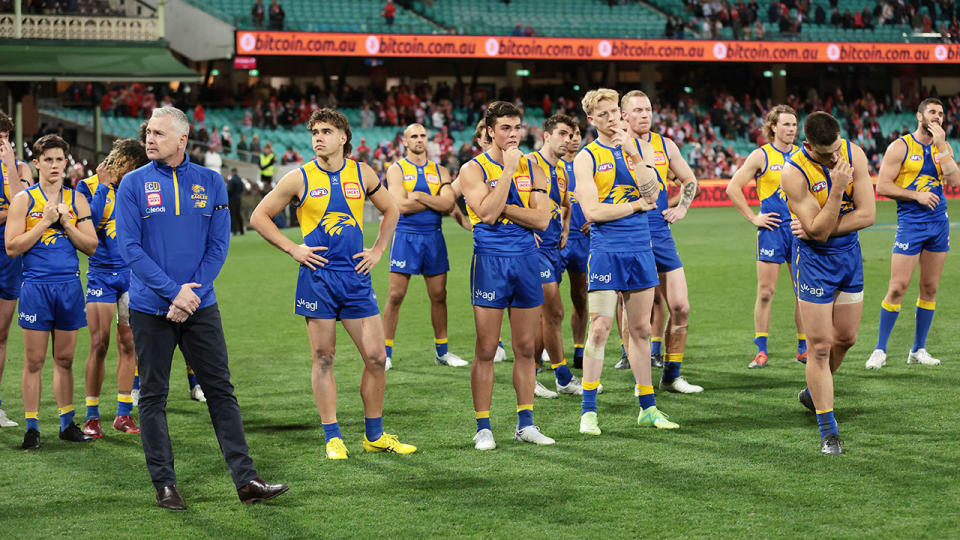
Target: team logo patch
318,192
659,158
629,162
936,159
151,187
433,179
915,157
562,184
351,190
604,167
523,183
776,167
819,186
153,199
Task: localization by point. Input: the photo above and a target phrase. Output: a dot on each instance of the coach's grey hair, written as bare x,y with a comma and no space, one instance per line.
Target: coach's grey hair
180,122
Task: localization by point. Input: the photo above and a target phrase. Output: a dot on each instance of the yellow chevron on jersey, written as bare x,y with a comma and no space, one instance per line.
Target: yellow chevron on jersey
92,183
5,199
556,196
768,181
818,177
661,159
313,209
605,175
431,174
38,201
522,183
912,174
108,224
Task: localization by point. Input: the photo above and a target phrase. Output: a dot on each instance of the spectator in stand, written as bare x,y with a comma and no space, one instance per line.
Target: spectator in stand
199,115
290,156
235,200
276,15
243,148
835,18
257,13
528,31
226,139
517,30
820,16
214,137
212,159
363,150
389,12
255,148
268,162
367,116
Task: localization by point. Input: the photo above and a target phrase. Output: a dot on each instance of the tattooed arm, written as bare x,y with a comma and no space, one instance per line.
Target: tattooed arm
688,182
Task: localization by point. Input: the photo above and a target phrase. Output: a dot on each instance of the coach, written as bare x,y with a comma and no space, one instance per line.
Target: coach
173,228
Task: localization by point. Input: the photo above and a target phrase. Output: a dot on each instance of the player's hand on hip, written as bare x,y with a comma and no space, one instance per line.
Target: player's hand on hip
308,256
768,221
368,259
797,229
563,239
928,199
176,314
585,228
675,214
537,240
186,299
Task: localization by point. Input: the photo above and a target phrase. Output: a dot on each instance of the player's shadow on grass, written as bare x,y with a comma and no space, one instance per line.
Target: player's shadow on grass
267,425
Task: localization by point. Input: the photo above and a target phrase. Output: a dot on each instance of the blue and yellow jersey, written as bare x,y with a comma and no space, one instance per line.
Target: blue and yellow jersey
577,219
819,183
613,173
771,195
5,199
331,212
504,237
920,171
661,162
88,186
556,191
53,257
425,179
107,256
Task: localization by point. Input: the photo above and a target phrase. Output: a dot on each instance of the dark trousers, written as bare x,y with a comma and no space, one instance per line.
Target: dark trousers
201,341
236,215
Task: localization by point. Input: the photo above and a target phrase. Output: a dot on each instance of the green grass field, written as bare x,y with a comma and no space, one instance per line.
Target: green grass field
745,461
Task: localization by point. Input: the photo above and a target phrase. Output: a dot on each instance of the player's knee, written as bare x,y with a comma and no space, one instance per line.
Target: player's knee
438,297
33,365
63,361
523,349
820,349
679,315
765,294
845,341
395,297
600,328
376,359
553,314
928,288
323,359
99,345
897,289
486,351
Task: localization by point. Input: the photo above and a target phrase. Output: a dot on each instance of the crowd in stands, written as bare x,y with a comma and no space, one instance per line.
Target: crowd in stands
113,8
708,18
715,130
274,15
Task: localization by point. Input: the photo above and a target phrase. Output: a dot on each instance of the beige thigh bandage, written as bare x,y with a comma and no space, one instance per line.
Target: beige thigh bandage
602,303
848,298
123,309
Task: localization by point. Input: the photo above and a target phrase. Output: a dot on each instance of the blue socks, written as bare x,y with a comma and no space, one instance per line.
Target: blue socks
93,407
589,397
888,317
924,319
761,342
645,396
441,345
524,416
389,345
656,345
373,428
66,416
562,372
332,431
828,424
483,420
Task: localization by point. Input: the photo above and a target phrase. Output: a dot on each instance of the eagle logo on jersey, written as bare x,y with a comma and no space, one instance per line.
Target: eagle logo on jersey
50,236
780,194
111,228
924,183
621,194
334,222
555,212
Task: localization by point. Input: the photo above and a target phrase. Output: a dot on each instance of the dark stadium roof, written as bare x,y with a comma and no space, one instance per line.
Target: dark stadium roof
82,61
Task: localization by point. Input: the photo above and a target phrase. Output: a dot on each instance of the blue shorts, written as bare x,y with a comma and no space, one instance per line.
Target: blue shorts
912,238
775,246
10,279
49,306
574,255
664,251
330,294
107,287
551,265
419,253
621,271
820,276
502,282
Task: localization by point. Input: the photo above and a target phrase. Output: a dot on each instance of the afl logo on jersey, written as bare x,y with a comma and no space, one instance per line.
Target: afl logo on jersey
776,167
351,190
819,186
915,157
604,167
409,178
659,158
523,183
318,192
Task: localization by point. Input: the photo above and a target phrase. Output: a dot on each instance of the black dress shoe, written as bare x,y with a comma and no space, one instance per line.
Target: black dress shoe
258,490
31,441
73,433
169,498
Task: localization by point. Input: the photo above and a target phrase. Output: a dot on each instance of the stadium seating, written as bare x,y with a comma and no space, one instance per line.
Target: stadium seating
327,16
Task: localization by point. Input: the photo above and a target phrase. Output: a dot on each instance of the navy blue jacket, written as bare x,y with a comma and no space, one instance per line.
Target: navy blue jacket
173,227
